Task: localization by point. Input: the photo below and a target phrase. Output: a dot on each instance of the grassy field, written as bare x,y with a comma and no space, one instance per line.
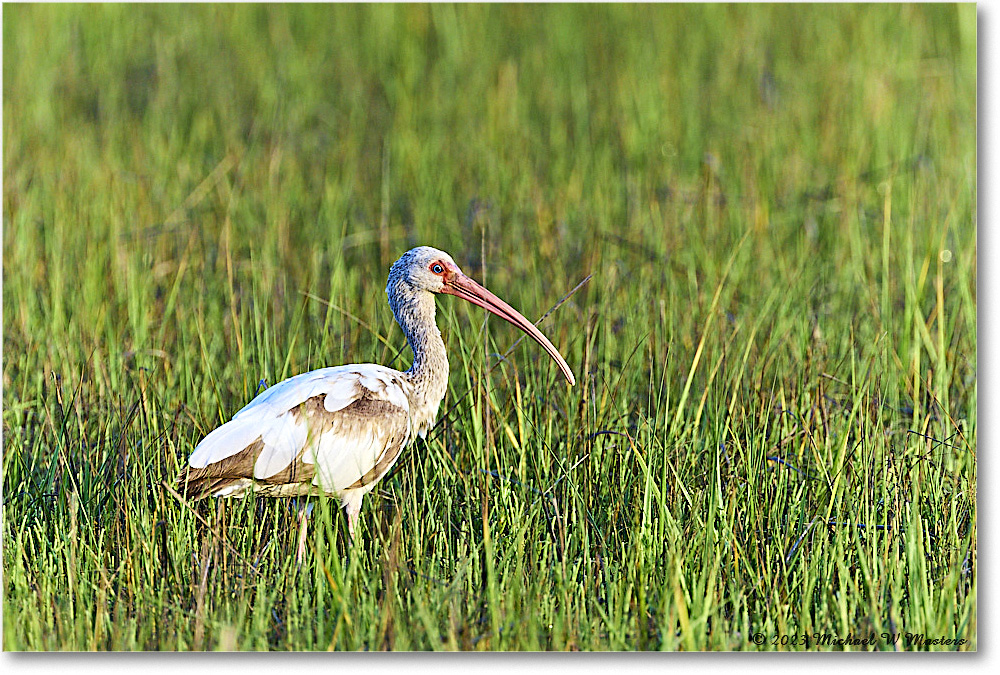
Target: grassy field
774,435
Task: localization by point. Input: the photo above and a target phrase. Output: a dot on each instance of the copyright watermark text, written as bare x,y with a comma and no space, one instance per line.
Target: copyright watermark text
807,640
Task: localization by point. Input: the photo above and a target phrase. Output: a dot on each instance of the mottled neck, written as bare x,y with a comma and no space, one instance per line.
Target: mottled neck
415,313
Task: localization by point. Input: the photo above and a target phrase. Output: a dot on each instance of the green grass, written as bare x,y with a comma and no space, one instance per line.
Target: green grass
775,424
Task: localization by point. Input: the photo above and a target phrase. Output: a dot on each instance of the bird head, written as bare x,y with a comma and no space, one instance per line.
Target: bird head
429,270
423,269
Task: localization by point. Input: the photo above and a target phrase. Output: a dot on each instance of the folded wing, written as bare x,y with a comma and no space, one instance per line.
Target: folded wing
333,429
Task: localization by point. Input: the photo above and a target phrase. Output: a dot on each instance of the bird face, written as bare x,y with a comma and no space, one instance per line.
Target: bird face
425,269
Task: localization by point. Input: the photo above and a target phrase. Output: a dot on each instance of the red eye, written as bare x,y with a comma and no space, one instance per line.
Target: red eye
437,268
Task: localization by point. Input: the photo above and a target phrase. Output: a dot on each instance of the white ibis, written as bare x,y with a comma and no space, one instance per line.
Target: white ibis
339,430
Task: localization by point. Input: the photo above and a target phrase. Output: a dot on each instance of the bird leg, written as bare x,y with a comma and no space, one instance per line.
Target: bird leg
304,511
352,507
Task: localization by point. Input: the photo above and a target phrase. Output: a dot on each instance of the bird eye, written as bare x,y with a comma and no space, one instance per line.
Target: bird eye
437,268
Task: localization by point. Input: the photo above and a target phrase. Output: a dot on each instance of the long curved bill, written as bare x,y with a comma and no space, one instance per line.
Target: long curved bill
466,288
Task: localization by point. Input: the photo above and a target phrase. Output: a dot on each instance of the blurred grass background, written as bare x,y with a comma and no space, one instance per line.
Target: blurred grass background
775,426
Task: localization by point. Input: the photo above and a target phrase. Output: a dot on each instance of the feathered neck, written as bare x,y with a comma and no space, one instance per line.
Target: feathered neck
415,313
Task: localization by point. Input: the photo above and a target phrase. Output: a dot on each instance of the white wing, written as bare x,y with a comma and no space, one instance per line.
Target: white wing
337,426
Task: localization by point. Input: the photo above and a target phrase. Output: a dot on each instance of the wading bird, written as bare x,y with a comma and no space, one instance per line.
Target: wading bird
339,430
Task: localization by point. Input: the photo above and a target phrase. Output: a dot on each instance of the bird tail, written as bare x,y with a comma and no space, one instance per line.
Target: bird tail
221,460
